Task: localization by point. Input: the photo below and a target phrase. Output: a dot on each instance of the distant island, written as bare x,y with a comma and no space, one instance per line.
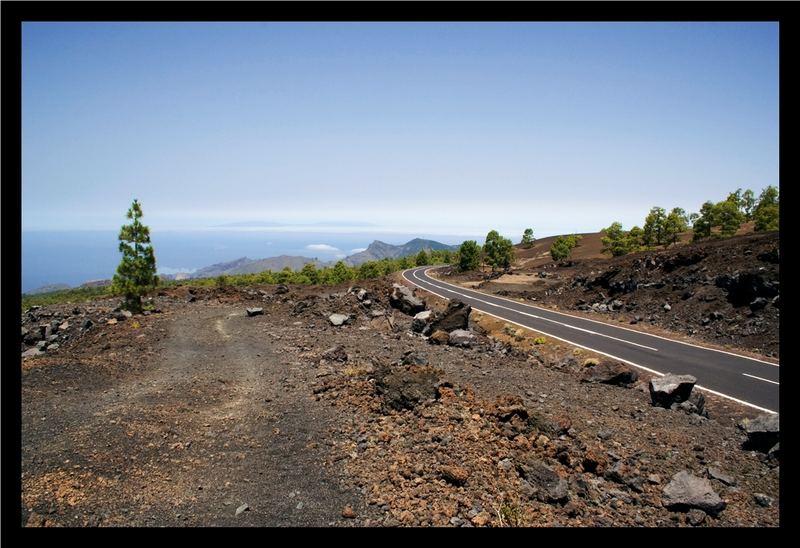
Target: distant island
376,251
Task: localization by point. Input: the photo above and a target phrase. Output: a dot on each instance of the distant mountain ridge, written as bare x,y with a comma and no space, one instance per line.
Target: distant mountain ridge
378,250
49,288
243,265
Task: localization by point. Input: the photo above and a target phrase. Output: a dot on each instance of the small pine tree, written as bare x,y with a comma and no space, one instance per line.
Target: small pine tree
469,255
136,273
766,213
422,258
498,251
527,238
561,249
615,240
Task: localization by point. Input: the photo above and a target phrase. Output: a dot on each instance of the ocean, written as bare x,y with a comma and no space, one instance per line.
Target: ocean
74,257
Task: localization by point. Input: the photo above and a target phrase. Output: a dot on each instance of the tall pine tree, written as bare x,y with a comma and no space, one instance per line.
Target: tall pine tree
136,273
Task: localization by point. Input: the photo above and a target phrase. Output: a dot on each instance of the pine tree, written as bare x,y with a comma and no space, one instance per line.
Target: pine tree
136,273
469,255
527,238
422,258
498,251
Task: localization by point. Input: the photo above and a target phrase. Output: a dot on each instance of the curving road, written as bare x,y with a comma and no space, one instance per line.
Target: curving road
746,380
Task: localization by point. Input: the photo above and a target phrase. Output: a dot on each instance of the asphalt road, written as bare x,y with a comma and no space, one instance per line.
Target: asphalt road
746,380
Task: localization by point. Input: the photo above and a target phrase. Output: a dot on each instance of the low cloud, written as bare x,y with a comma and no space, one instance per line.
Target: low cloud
322,247
358,250
170,270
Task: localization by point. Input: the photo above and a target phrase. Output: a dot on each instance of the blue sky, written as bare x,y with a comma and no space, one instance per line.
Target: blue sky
437,128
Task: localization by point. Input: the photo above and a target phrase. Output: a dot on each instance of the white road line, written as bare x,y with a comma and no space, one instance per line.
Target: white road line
537,317
653,371
748,404
759,378
621,327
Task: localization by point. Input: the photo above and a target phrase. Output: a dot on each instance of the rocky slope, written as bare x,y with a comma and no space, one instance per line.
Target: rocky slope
725,292
190,416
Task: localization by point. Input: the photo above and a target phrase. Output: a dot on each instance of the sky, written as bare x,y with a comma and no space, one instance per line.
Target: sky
392,127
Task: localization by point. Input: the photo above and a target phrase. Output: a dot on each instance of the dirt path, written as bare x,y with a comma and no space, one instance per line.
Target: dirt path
218,419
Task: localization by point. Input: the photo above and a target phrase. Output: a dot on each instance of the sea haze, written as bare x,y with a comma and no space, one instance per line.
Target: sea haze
74,257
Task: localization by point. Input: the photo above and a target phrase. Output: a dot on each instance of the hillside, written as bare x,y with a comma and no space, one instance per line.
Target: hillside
196,414
380,250
244,265
47,289
719,291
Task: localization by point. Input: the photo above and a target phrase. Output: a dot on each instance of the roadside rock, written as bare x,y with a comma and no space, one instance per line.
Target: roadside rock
763,432
404,300
281,289
122,315
243,508
455,317
549,485
32,352
338,319
421,320
348,512
414,358
440,337
406,388
454,474
669,389
696,517
686,491
254,312
696,404
717,474
610,372
763,500
462,338
336,354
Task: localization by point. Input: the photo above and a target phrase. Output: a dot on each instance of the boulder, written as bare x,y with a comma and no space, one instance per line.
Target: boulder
32,352
281,289
548,485
403,299
669,389
336,353
685,492
719,475
610,372
763,432
414,358
763,500
121,315
440,337
454,474
254,312
87,323
338,319
695,405
405,388
455,317
462,338
421,320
